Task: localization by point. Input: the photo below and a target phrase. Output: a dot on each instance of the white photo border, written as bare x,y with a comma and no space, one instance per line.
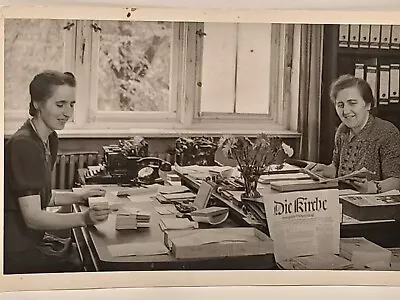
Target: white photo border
187,278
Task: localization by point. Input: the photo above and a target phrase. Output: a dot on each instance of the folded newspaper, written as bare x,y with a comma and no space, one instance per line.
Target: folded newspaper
363,172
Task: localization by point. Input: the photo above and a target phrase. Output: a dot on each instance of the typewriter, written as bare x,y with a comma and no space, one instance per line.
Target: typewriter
195,151
126,163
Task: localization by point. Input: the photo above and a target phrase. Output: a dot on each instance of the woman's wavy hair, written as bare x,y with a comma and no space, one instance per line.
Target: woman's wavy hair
346,81
42,86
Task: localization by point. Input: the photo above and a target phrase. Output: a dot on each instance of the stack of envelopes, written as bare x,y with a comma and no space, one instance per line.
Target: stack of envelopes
132,218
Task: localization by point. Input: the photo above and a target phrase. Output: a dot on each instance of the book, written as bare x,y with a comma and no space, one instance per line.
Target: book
302,185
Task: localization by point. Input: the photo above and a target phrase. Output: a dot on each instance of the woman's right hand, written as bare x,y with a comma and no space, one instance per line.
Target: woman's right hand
323,170
96,214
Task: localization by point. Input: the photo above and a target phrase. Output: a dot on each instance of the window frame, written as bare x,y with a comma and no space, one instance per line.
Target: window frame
97,116
186,73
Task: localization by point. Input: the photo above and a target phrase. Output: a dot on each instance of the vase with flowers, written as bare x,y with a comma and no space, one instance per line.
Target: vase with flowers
255,158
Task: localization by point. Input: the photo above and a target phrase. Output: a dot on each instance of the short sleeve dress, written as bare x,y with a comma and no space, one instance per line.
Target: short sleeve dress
27,171
376,147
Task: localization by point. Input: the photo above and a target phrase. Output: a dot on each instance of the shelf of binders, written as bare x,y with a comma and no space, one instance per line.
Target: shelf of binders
371,37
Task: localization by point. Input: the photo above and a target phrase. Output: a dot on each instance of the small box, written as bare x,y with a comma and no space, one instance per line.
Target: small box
371,207
219,242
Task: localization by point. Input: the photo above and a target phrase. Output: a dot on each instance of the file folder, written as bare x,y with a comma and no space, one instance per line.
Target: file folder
371,79
394,83
344,35
385,36
384,85
395,39
354,35
375,36
359,71
364,36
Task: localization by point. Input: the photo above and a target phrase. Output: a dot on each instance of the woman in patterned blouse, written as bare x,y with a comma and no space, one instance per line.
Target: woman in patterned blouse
362,140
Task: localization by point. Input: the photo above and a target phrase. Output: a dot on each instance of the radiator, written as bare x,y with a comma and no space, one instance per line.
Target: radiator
67,164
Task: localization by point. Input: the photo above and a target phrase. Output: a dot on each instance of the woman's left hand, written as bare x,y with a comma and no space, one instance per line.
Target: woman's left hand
86,194
361,184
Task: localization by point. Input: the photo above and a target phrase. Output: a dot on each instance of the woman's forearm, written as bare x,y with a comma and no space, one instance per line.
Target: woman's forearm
389,184
54,221
63,198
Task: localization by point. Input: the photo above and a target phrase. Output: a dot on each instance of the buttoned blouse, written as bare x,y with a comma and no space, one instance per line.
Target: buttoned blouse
376,147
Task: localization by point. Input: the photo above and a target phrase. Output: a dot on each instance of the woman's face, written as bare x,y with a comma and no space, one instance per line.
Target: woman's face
351,108
59,108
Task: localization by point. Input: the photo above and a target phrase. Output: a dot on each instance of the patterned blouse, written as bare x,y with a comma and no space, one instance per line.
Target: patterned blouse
376,147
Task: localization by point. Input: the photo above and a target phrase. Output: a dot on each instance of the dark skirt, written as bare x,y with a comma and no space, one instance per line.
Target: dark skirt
53,255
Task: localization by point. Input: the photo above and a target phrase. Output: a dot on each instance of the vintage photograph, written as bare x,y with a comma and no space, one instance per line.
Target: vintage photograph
133,145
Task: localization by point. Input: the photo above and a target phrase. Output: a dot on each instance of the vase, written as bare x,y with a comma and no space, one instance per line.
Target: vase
250,187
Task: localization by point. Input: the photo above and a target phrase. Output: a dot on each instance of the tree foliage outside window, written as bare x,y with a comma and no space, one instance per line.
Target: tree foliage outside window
134,66
30,46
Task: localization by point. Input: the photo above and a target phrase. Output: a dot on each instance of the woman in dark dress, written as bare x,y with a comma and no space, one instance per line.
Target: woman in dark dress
30,155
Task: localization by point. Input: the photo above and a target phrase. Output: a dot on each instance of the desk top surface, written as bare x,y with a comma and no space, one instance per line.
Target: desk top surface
105,234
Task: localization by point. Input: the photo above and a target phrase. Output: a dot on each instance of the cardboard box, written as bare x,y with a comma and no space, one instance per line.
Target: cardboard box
371,207
218,242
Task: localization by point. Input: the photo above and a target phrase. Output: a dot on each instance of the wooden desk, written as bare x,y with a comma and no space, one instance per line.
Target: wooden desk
98,238
381,232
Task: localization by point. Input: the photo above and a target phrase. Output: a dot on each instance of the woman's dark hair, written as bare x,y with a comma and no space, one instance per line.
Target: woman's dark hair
41,87
347,81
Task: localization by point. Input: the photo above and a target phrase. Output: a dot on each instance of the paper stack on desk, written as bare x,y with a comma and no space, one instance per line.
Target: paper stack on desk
176,197
177,224
365,254
212,215
317,262
132,218
100,201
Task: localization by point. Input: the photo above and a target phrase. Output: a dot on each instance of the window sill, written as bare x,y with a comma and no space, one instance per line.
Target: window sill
162,133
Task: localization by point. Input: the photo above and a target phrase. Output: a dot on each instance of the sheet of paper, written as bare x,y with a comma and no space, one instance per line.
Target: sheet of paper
140,198
137,249
166,209
304,222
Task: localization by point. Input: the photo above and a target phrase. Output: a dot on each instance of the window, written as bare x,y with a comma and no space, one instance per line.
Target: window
157,76
31,46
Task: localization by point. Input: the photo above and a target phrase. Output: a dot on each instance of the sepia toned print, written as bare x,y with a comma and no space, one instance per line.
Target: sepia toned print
105,174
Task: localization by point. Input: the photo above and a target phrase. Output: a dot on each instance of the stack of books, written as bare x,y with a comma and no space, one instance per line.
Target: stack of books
132,218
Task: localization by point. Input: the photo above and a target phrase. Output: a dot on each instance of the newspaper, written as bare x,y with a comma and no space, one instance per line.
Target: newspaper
363,172
304,223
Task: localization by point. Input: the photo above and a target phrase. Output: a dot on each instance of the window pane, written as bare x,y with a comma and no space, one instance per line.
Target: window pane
236,68
253,65
30,46
218,68
134,66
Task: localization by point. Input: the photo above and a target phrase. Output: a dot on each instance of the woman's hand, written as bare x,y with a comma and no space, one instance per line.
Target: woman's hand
84,195
362,185
97,214
323,170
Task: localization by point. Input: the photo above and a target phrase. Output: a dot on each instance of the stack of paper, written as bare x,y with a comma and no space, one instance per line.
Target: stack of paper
363,253
268,178
97,201
131,218
177,224
212,215
175,197
317,262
